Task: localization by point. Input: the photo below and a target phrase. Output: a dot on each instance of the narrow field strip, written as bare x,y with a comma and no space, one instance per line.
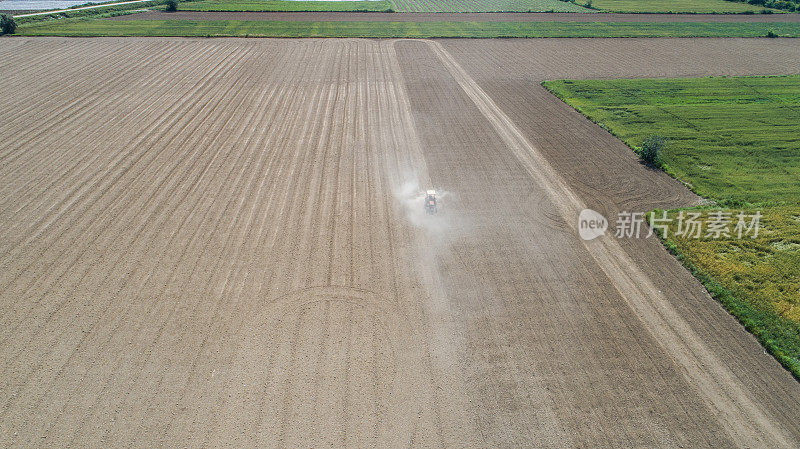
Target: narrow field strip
237,28
315,16
690,6
290,5
487,6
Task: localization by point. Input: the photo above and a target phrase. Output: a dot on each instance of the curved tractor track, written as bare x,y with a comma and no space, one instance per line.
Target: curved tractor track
212,242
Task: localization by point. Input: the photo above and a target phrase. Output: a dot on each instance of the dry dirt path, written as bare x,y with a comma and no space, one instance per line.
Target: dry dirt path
238,254
454,17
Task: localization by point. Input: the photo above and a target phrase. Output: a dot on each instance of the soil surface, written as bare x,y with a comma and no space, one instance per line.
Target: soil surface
222,242
454,17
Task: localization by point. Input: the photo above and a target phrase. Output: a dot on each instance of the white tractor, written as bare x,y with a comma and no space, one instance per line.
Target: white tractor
430,202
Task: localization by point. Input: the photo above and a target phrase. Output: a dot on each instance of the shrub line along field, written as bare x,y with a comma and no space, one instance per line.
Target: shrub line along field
246,28
239,254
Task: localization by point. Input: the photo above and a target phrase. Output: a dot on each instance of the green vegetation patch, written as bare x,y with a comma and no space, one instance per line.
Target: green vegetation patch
288,5
105,11
733,140
487,6
676,6
757,280
236,28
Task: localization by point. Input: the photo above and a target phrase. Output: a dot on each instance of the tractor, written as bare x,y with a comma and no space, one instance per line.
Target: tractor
430,202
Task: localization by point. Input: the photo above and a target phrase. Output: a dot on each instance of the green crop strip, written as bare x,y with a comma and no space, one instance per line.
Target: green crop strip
236,28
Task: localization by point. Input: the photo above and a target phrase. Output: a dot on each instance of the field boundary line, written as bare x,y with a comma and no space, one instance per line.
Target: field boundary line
741,417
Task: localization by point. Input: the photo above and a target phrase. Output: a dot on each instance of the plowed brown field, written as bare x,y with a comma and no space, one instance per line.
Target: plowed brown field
221,242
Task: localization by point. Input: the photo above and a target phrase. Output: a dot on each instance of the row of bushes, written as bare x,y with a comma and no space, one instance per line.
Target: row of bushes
786,5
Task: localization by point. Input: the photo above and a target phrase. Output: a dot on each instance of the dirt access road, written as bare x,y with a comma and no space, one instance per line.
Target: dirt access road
221,241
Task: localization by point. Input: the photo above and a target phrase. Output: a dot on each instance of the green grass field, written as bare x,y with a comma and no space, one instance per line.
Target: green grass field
486,6
677,6
734,140
286,5
99,27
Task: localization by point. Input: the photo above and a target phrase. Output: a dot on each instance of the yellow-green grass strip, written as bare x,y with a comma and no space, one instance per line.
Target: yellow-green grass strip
235,28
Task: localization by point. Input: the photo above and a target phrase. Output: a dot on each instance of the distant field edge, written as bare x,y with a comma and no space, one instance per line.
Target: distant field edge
684,6
288,6
488,6
236,28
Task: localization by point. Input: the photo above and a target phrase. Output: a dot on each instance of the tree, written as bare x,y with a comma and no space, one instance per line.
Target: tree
172,5
651,150
7,24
